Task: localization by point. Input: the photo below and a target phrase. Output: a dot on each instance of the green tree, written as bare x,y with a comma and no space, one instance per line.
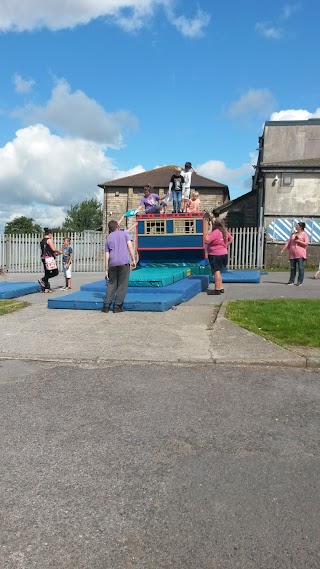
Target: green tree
83,216
21,225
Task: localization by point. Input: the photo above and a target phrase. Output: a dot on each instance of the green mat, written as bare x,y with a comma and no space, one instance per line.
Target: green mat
158,276
194,268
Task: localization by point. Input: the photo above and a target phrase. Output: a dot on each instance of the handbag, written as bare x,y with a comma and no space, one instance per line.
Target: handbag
51,263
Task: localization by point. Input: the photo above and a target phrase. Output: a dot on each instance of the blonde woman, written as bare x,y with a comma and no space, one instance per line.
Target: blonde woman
194,204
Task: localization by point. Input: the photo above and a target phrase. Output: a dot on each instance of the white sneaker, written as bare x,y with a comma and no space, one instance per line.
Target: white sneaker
290,284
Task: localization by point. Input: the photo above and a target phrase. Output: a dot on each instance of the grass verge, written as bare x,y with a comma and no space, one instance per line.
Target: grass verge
10,305
284,322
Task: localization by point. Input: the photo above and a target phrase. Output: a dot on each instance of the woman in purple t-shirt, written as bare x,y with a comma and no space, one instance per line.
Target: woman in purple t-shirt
151,201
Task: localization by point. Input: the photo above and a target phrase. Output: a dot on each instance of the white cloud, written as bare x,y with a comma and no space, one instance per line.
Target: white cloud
76,115
269,31
289,9
295,115
191,27
258,102
238,179
41,174
48,216
22,85
131,15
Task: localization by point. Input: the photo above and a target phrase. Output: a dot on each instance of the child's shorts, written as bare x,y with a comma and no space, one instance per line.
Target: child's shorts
67,272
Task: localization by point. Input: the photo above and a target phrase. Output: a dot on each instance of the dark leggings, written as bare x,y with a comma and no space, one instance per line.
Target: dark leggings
48,275
117,285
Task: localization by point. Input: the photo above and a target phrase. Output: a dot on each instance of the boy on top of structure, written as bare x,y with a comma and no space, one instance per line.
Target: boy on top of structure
176,187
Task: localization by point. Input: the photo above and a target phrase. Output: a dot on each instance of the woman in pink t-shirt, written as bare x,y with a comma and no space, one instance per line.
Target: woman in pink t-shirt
217,240
297,247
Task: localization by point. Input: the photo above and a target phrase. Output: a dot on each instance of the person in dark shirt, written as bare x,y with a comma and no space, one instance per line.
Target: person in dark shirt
48,256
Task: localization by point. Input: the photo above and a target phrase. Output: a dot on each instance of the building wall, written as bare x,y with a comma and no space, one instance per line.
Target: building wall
301,199
294,142
272,251
242,213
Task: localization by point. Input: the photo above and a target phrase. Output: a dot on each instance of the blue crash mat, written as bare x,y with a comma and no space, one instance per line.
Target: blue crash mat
154,301
13,290
240,276
188,287
90,297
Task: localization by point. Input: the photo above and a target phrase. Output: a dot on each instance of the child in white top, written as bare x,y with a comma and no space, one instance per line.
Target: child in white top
187,173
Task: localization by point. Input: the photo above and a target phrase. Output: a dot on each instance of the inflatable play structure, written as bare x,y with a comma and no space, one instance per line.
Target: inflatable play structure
173,267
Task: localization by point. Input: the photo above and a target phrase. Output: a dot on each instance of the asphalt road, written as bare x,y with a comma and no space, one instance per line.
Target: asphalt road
158,466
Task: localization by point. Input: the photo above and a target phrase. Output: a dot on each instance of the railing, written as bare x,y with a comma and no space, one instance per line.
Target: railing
21,253
247,248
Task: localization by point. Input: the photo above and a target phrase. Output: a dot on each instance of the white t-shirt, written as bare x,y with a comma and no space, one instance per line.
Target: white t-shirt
187,183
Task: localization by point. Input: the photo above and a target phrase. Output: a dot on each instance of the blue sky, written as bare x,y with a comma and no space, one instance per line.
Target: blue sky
92,90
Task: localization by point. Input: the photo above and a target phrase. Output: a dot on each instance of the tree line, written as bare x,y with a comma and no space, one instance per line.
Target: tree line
86,215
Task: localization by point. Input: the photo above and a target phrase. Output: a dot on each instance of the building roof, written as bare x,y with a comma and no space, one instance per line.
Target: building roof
160,178
309,122
299,163
228,204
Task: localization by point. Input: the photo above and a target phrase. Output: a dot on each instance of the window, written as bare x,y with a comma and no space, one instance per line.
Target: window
184,226
287,179
153,227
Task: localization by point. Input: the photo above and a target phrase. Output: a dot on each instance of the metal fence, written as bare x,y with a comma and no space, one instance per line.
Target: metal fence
21,253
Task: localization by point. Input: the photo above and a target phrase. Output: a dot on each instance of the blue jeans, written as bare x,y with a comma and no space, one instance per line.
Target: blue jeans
176,198
294,263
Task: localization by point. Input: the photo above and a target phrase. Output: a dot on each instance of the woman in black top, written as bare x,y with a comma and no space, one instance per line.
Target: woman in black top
48,249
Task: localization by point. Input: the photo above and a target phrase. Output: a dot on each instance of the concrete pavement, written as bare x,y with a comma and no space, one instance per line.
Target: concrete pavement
197,332
158,467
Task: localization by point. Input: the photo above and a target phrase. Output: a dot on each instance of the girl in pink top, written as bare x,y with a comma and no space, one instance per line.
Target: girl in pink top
194,204
297,247
217,240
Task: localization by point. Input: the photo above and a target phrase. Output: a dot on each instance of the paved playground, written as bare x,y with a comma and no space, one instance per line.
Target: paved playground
195,332
126,443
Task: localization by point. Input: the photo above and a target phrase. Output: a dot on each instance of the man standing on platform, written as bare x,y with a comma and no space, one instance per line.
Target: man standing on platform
119,254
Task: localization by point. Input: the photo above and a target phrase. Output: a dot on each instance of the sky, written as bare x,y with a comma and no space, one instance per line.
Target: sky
94,90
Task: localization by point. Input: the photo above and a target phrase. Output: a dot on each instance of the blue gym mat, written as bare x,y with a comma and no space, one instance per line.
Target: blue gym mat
154,301
188,287
240,276
91,296
13,290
